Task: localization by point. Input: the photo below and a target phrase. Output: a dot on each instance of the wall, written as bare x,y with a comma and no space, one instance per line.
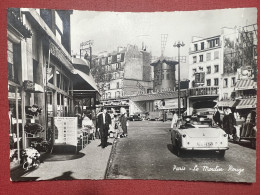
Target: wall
133,64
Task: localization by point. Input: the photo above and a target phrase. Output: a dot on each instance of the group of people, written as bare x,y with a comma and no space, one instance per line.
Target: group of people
106,122
228,122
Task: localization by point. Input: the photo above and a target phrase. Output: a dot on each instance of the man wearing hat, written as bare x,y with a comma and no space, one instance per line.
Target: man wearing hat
104,120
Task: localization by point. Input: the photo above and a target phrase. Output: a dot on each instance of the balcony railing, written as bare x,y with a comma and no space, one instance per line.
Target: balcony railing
202,91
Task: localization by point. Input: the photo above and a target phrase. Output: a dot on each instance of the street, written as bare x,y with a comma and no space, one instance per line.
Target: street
147,154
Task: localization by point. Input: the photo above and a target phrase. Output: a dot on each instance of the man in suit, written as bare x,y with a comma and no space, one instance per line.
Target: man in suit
104,120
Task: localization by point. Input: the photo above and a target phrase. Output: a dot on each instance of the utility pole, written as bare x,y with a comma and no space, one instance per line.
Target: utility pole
178,45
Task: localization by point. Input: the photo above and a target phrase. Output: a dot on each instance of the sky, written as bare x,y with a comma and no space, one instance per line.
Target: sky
110,30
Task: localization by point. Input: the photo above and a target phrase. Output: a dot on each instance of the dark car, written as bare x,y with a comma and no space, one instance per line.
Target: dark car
134,118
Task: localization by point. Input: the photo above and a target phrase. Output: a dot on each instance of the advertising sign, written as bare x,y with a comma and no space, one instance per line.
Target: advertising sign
167,104
66,130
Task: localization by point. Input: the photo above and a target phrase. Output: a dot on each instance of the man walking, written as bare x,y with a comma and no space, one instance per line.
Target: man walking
104,120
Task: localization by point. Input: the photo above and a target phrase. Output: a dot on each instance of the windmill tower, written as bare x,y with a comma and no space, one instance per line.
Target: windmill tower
163,42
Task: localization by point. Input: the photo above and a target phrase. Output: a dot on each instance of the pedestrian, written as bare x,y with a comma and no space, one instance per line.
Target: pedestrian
123,121
232,123
112,126
216,117
174,120
104,120
225,122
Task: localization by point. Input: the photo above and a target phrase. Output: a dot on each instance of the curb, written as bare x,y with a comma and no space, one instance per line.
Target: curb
110,159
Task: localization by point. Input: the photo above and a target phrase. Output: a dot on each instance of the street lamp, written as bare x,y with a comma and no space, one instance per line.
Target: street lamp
179,44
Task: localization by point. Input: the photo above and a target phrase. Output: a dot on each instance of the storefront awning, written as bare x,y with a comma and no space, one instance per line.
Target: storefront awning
246,103
245,84
87,78
226,103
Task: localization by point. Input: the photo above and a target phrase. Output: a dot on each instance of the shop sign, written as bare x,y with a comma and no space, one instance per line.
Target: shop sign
167,104
32,87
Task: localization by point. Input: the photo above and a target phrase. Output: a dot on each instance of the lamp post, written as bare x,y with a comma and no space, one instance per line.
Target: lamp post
179,44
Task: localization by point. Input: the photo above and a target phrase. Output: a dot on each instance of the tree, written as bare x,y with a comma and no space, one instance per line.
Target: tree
240,52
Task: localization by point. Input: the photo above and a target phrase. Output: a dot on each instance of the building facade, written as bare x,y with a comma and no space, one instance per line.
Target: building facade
42,78
214,66
121,74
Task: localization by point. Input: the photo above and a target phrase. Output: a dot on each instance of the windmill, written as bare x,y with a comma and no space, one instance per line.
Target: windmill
163,42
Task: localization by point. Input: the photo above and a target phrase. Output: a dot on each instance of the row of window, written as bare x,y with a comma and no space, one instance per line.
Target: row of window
210,44
115,75
110,59
201,57
113,67
117,94
225,82
216,69
109,86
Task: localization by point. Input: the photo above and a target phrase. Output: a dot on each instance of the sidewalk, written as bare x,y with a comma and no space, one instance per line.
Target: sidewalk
90,163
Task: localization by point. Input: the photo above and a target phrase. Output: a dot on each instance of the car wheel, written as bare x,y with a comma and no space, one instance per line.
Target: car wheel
179,151
253,144
222,153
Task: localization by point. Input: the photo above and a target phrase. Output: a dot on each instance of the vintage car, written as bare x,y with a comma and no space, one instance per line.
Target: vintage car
134,118
198,134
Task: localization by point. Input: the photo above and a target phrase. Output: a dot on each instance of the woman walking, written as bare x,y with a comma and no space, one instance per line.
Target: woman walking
123,121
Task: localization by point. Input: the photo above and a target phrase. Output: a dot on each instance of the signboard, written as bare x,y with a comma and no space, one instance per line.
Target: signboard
66,130
168,104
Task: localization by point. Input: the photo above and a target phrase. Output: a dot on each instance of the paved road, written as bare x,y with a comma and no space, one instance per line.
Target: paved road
147,154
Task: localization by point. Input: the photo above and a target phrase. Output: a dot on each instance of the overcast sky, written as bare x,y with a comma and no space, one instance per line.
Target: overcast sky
112,29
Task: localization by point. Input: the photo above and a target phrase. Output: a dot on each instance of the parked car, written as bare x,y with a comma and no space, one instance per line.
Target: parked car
198,134
134,118
154,116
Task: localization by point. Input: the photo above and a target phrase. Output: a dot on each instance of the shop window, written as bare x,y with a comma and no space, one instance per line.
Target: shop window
12,63
117,85
35,72
50,73
65,84
58,79
216,82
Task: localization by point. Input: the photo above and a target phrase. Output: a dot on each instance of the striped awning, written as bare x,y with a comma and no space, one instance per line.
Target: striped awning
226,103
246,103
245,84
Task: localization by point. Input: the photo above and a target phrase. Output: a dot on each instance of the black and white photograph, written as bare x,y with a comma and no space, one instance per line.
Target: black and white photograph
132,95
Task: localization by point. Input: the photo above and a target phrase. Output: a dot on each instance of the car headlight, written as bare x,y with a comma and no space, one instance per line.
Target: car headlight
225,135
184,135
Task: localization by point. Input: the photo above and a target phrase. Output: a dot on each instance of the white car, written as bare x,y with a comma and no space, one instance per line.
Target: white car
199,135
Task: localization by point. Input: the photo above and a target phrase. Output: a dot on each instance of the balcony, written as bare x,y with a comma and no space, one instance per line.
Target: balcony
203,91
